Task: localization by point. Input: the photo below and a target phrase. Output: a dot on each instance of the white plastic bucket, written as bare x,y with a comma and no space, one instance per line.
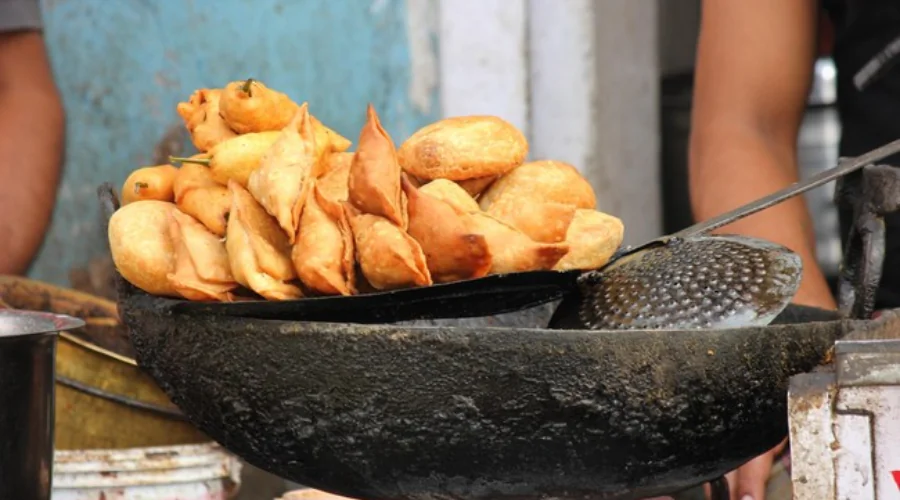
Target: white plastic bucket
195,472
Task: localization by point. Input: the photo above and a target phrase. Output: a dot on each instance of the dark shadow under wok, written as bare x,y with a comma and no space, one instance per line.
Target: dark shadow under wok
401,411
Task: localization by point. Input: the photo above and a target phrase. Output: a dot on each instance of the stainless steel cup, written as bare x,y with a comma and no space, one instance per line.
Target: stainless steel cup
27,390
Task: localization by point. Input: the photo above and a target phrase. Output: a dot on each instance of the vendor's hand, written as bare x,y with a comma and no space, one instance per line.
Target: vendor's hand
750,480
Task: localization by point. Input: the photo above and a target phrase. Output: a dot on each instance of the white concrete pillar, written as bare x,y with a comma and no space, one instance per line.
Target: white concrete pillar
595,101
580,77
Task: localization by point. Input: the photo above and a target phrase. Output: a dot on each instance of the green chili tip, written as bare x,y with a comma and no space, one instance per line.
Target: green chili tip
246,88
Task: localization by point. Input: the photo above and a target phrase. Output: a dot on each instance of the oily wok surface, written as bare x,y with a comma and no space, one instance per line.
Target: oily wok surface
405,411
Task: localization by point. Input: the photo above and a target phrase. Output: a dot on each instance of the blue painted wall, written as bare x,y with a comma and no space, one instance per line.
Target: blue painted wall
122,65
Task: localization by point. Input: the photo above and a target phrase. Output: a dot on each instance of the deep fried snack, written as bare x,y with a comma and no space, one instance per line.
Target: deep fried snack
593,238
464,147
542,181
249,106
334,184
388,256
477,185
452,251
374,182
545,222
336,161
149,183
202,271
198,195
324,254
202,119
328,142
452,193
140,245
235,158
512,251
284,178
258,250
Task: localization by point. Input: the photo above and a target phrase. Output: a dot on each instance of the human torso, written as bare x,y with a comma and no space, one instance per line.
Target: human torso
866,52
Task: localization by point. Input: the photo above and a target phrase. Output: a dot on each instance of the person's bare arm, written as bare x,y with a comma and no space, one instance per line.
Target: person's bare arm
754,64
32,128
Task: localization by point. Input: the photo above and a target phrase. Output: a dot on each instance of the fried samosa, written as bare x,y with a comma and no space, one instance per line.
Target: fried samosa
258,250
328,143
544,222
333,184
324,254
477,185
140,245
202,271
541,181
388,256
198,195
593,238
336,161
452,251
202,119
284,178
452,193
374,181
462,148
511,250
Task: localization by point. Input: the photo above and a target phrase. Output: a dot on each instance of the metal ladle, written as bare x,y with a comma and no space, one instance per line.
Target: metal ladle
691,279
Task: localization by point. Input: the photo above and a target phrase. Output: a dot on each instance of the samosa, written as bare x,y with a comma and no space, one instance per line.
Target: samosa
284,178
258,249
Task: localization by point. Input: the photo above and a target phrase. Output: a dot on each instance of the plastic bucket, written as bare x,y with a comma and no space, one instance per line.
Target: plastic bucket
195,472
311,494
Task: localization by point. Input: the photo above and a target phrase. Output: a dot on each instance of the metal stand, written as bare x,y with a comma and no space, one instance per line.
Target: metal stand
845,425
845,422
869,195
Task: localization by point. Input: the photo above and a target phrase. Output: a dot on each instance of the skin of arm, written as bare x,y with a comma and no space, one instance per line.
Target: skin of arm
32,138
753,71
754,67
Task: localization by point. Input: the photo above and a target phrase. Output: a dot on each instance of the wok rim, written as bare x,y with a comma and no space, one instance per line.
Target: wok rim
566,335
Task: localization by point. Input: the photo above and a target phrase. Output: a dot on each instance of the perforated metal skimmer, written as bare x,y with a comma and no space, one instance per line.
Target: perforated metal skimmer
702,282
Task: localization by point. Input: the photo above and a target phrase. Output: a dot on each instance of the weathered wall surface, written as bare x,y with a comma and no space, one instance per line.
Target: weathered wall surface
123,65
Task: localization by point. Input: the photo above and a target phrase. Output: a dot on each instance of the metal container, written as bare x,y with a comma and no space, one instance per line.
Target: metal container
103,400
27,371
196,472
845,422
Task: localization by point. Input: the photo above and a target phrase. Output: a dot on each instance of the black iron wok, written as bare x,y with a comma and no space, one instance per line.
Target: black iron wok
450,412
391,411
